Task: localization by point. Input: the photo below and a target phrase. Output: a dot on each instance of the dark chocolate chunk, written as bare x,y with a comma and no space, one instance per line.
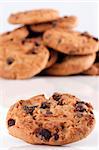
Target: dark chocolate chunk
32,51
91,112
80,106
29,109
49,112
11,122
56,136
7,33
59,41
62,126
10,60
44,105
96,39
56,96
60,102
86,34
37,43
44,133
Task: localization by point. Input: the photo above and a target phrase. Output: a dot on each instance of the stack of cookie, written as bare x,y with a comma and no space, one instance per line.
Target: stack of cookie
46,43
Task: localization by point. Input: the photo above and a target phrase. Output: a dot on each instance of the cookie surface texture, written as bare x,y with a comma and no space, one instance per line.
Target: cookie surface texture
59,120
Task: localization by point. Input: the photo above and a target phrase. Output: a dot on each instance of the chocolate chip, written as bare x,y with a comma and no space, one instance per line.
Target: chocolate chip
80,102
96,39
23,41
91,112
32,51
56,136
7,33
44,105
29,109
49,112
60,102
62,126
10,60
37,43
80,106
11,122
66,17
59,41
85,34
44,133
56,97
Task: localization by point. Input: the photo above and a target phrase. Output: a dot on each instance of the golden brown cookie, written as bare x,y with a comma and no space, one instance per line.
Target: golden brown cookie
64,22
59,120
71,42
34,16
93,70
17,34
18,64
69,65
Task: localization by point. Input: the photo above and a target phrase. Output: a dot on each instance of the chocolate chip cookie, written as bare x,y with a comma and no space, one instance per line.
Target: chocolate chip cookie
16,63
59,120
16,34
69,65
34,16
64,22
71,42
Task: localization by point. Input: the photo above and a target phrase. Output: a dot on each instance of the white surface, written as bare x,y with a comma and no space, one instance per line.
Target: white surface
86,88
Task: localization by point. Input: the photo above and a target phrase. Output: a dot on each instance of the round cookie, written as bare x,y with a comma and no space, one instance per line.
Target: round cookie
18,64
52,58
71,42
93,70
59,120
64,22
34,16
69,65
17,34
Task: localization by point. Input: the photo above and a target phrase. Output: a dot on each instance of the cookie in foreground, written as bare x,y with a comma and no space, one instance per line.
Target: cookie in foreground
58,120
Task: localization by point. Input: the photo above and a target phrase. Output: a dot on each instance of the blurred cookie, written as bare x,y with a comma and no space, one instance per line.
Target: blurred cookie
17,34
59,120
18,64
69,65
34,16
71,42
64,22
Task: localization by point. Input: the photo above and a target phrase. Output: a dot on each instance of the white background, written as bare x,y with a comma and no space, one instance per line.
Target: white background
87,12
86,88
